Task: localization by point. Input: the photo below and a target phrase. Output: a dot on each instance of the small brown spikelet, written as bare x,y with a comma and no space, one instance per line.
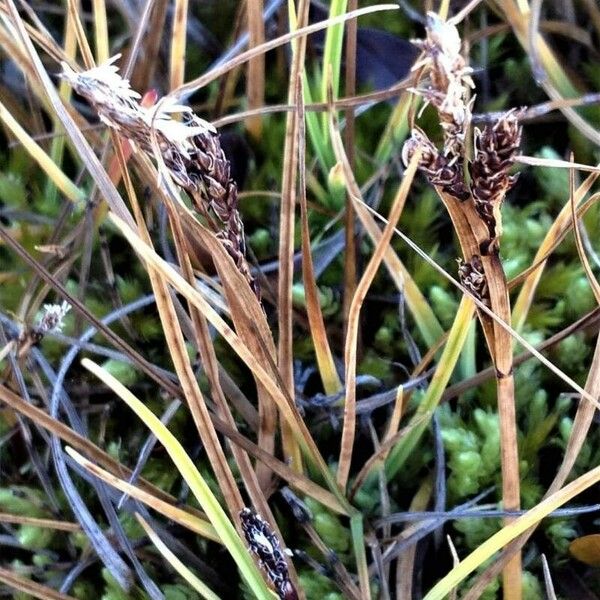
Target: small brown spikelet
440,170
212,187
472,277
495,149
190,148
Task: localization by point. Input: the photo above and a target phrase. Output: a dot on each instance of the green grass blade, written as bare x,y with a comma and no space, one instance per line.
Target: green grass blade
396,129
315,132
194,581
62,182
508,533
358,542
209,503
332,60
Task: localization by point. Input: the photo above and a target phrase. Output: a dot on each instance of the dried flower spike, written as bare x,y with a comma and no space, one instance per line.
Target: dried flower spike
476,220
447,87
495,149
190,149
449,82
264,544
440,171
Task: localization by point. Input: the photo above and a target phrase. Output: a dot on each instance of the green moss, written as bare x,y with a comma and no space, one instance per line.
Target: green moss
553,182
34,538
316,586
329,527
561,532
444,304
122,371
179,592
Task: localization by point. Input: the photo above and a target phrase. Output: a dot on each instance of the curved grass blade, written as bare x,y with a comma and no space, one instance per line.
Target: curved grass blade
193,478
360,294
510,532
426,321
174,513
194,581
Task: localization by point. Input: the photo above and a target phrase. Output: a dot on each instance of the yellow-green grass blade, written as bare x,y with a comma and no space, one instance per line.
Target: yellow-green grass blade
62,182
332,59
358,543
57,147
209,503
447,363
167,510
101,32
315,133
508,533
396,129
194,581
178,44
553,78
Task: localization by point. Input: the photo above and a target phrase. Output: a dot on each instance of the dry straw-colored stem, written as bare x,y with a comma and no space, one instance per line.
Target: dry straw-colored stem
474,208
286,235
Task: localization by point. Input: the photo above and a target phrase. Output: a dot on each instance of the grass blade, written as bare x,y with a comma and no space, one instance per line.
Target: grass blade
193,478
510,532
174,513
194,581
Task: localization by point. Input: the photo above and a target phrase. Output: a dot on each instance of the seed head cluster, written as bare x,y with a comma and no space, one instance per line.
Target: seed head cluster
189,146
447,86
495,149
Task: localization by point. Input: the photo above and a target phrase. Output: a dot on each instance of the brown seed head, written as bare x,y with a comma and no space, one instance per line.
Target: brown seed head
440,170
472,277
495,149
189,146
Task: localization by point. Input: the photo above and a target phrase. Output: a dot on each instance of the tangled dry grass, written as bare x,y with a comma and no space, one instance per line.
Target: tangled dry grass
272,431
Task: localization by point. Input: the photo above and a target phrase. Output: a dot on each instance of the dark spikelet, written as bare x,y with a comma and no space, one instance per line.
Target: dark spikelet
447,87
495,149
264,544
440,170
213,187
472,277
190,149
